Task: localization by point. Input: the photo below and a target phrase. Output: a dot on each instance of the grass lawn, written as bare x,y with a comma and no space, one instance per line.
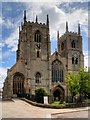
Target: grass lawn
56,103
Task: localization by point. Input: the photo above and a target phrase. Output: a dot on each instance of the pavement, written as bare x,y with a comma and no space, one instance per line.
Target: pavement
73,114
21,109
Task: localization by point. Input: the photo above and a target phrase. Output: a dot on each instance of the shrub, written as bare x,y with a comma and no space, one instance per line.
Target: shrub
39,94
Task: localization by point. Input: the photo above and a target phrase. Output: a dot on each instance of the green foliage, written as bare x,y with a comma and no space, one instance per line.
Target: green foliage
56,103
79,83
39,94
84,82
72,82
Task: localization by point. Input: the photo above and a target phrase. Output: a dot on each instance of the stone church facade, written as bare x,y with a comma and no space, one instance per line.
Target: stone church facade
35,66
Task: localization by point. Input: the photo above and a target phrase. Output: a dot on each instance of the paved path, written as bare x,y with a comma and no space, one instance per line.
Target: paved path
76,114
20,109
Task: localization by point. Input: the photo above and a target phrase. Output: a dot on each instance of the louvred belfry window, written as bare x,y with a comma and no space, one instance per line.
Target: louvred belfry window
37,36
73,44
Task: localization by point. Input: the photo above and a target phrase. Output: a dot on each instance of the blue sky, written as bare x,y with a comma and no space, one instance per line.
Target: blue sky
59,13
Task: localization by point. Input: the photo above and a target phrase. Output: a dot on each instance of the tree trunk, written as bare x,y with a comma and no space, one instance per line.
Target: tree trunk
72,98
80,98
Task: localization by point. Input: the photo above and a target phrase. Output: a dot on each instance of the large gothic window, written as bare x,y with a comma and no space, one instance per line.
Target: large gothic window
38,77
57,71
18,84
37,36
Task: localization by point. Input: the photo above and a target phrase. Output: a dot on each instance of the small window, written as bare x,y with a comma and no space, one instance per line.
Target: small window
72,60
38,77
62,46
73,44
76,61
38,54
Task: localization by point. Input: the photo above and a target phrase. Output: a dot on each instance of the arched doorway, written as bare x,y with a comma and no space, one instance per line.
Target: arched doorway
18,84
58,93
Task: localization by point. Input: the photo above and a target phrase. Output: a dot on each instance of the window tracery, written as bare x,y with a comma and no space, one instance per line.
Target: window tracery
57,71
37,36
75,59
18,84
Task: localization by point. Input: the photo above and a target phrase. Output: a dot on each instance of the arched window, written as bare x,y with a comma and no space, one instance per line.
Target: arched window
72,60
75,59
62,46
76,62
37,36
38,54
18,83
73,44
38,77
57,71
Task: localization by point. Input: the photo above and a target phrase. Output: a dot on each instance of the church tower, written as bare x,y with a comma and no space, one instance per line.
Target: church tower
70,47
35,67
34,50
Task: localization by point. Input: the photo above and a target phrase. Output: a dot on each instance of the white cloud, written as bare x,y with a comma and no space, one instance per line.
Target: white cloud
3,74
12,41
0,44
1,21
57,17
86,59
6,54
8,23
46,1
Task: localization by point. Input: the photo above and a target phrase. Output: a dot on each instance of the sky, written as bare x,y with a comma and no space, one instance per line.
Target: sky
59,11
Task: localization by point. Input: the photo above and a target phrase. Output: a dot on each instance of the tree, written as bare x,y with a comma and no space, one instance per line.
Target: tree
39,94
72,83
84,83
79,83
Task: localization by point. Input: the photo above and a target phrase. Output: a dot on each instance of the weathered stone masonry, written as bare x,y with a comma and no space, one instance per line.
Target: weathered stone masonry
35,66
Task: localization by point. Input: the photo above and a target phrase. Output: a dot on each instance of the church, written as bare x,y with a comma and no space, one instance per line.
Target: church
36,67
